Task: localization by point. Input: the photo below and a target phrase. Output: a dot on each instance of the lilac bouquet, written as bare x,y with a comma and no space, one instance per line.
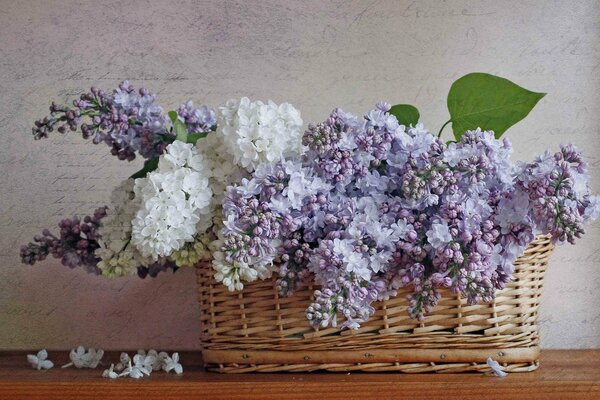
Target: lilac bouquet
359,206
374,206
166,215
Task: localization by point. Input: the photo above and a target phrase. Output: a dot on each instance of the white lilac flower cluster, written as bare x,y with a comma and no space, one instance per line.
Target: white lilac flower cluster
257,132
375,206
175,199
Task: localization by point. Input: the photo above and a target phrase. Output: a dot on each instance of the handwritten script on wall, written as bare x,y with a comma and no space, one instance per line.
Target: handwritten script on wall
314,54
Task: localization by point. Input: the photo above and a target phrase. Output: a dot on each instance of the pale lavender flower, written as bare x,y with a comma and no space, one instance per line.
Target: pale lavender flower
496,367
439,234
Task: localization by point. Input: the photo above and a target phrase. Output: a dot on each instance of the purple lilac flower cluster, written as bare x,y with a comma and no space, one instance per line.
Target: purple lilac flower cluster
74,246
127,120
558,189
197,120
375,206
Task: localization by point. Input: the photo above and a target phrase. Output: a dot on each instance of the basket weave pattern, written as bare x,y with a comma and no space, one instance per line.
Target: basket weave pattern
257,330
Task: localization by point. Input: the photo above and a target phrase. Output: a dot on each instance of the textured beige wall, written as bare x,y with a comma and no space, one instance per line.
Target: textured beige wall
315,54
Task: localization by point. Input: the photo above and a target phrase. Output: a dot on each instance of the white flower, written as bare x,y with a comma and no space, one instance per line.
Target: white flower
439,234
221,169
110,372
142,365
496,367
157,357
117,256
255,132
40,360
175,199
145,360
232,275
176,156
172,364
80,358
124,360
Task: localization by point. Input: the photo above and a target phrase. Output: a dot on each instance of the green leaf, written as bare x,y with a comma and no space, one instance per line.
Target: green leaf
173,116
406,114
488,102
194,137
179,127
149,166
181,131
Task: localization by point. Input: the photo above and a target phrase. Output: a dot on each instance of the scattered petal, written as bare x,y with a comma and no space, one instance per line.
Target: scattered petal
81,358
497,369
110,373
124,359
172,363
39,361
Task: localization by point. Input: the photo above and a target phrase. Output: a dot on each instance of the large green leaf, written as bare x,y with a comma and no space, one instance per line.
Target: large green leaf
406,114
488,102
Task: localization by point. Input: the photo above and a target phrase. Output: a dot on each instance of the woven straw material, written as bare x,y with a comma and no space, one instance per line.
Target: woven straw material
257,330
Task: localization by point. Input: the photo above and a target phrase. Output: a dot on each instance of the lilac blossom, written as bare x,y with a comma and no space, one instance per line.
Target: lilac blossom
197,120
129,121
557,187
360,207
75,245
375,206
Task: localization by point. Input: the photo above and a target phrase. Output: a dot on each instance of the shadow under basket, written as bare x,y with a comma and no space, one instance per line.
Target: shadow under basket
257,330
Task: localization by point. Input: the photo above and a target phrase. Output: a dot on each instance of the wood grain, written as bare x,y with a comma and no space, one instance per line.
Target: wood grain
563,374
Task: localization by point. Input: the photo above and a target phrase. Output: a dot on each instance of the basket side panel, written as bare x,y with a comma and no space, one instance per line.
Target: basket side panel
257,319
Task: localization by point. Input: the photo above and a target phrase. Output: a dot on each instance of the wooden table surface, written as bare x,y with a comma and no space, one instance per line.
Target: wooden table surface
563,374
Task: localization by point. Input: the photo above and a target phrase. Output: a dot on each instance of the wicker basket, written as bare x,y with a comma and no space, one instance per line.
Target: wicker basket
256,330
